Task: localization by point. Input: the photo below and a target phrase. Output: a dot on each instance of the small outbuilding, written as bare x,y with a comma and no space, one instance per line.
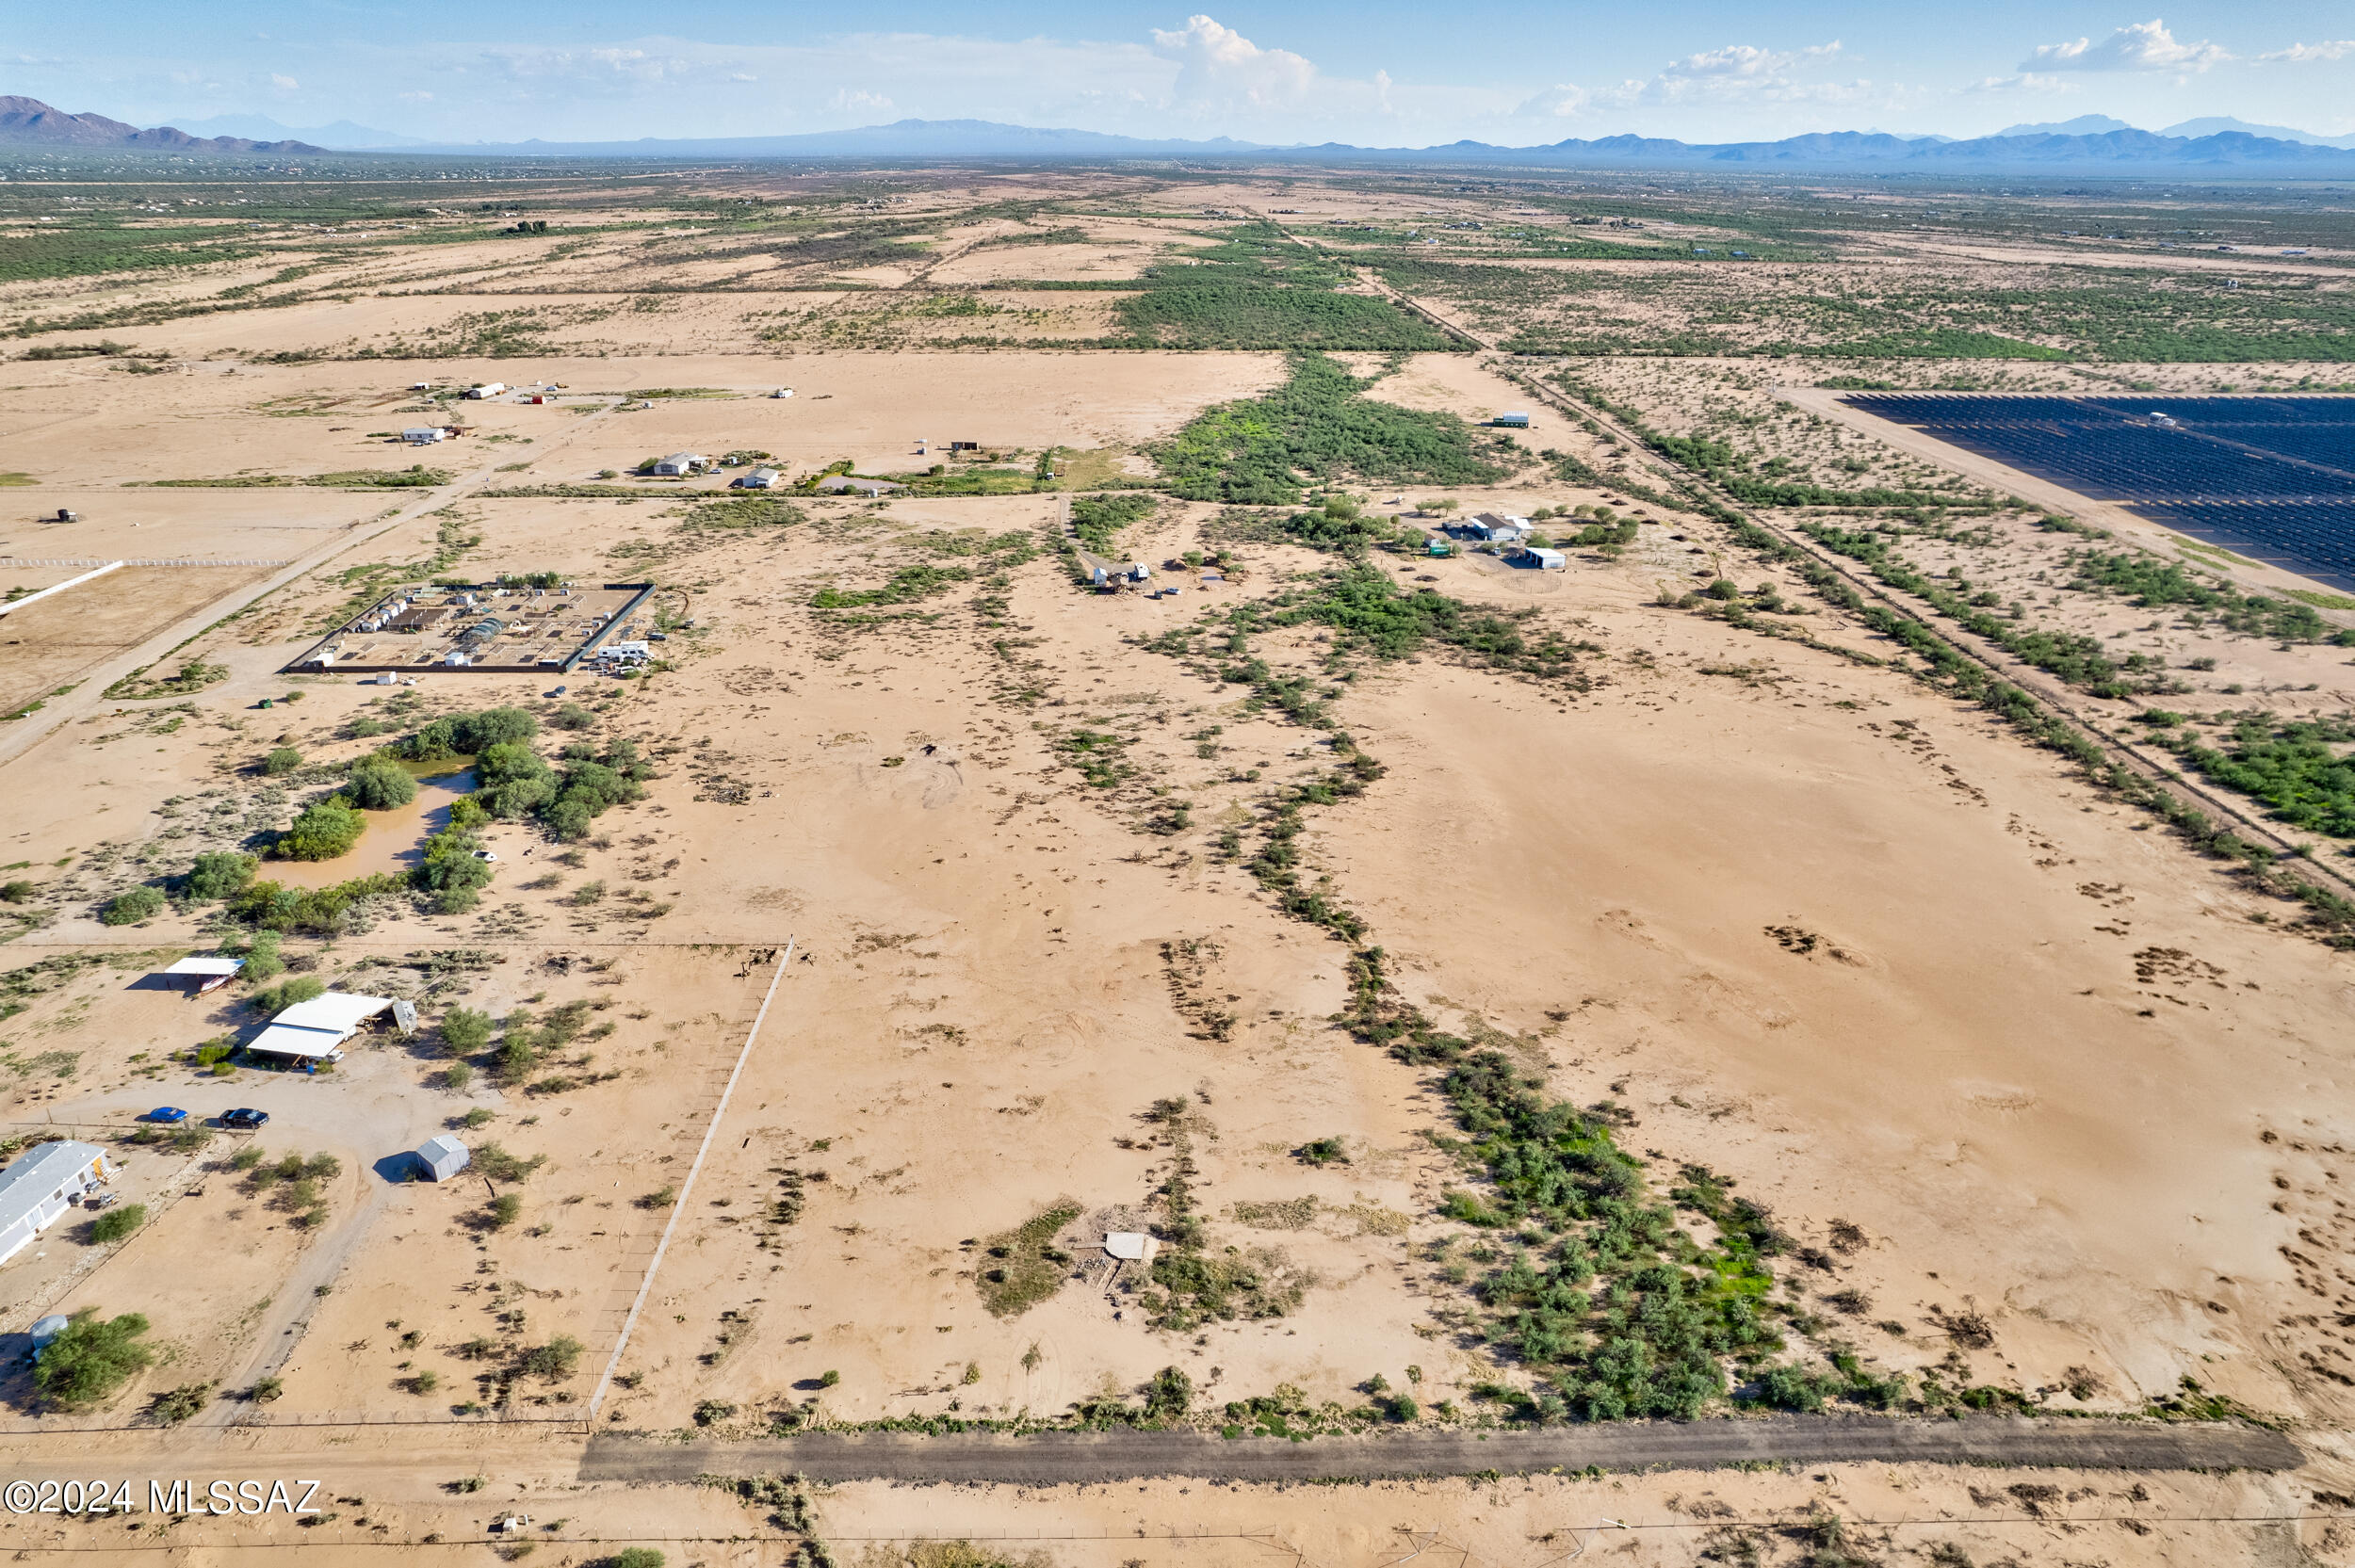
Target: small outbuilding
678,464
423,435
42,1185
204,972
1511,421
1543,559
759,478
442,1158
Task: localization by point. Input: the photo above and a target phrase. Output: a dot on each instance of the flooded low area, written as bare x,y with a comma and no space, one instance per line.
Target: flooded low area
394,841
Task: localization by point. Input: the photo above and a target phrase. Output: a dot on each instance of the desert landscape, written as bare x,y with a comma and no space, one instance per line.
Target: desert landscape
1858,941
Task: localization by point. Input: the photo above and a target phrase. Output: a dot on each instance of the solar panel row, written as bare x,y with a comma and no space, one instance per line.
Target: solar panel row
2268,477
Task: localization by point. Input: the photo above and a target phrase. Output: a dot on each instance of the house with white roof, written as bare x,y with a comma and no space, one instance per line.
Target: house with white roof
42,1184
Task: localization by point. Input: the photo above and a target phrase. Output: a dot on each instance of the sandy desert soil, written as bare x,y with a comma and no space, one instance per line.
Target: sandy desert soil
2042,1102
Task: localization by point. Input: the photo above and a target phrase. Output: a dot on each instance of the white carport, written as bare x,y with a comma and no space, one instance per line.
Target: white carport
315,1031
205,972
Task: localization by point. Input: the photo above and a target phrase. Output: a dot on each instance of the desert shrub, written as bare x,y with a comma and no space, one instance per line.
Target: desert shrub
503,1210
18,892
118,1222
281,762
514,780
175,1405
552,1361
635,1557
451,871
500,1166
1023,1267
326,829
572,716
262,959
280,997
221,874
1169,1395
1322,1150
466,1029
1257,450
1098,519
587,790
92,1359
133,905
455,1077
376,784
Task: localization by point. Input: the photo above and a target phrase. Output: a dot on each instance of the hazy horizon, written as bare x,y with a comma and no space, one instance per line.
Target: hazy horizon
1377,74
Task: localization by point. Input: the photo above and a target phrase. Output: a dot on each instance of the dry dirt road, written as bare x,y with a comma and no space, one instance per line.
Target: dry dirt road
1076,1458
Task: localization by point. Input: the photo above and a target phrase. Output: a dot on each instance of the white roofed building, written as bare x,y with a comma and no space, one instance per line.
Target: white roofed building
42,1184
204,972
315,1031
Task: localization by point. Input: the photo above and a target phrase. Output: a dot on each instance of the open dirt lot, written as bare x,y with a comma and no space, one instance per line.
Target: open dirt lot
1423,951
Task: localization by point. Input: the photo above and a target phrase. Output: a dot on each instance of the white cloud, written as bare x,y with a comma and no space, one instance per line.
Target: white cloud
857,101
2331,49
416,98
283,84
2143,46
1560,102
2027,81
1217,65
1734,60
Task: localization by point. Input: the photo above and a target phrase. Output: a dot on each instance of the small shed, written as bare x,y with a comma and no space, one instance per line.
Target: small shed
442,1158
1544,561
204,972
423,435
43,1184
1512,421
678,464
1130,1246
759,478
315,1031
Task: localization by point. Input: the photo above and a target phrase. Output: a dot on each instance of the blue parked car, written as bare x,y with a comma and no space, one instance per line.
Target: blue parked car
167,1114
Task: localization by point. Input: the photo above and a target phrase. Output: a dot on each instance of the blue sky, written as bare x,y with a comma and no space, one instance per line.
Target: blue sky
1371,72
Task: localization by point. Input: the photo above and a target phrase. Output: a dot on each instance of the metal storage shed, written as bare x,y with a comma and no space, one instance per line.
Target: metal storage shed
42,1186
442,1158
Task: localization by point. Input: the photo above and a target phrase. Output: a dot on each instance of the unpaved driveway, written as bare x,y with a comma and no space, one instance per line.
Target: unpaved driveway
1046,1459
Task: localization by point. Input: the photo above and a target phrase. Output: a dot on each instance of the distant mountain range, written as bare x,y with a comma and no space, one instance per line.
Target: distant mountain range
30,122
2090,144
2098,124
2118,150
342,135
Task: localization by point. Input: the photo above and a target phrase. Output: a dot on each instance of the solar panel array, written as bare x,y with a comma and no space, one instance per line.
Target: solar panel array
2270,478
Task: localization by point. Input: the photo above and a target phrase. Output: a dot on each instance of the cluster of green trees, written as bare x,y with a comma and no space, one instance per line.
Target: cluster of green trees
1257,450
1259,290
2294,768
904,587
2080,660
2151,583
1098,519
